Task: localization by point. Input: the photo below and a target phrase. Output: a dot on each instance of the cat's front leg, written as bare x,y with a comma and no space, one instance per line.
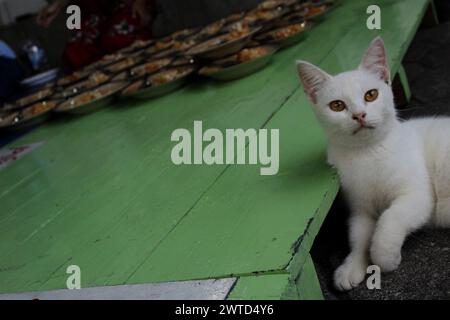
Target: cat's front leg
405,215
353,271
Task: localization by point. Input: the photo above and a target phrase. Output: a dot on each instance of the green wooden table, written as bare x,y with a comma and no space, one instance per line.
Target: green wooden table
103,194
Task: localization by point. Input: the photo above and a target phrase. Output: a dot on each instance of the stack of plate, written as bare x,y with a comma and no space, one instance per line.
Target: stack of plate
228,49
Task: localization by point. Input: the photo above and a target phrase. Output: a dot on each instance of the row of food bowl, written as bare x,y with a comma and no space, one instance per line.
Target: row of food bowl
225,50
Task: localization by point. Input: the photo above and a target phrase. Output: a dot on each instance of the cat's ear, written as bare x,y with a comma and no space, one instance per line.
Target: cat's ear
312,78
375,60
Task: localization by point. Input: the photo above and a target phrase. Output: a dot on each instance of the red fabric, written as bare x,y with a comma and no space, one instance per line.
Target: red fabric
107,26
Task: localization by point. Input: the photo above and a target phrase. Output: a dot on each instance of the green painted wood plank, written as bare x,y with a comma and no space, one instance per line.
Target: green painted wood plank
264,287
244,232
125,152
102,193
258,230
232,230
280,286
111,257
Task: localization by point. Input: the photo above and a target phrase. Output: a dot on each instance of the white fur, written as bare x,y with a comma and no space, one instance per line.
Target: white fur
395,176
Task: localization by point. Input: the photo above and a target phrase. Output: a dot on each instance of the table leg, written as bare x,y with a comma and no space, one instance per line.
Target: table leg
308,285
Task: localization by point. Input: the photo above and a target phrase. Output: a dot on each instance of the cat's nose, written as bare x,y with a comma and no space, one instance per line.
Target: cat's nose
360,117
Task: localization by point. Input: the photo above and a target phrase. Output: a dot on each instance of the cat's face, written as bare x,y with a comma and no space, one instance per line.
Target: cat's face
354,107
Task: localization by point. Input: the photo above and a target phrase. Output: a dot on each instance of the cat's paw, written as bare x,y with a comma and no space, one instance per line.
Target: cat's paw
349,275
388,258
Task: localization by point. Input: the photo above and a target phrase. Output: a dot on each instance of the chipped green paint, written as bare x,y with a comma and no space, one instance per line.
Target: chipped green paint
103,194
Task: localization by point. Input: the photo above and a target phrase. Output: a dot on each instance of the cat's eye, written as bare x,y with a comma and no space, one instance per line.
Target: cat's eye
337,106
371,95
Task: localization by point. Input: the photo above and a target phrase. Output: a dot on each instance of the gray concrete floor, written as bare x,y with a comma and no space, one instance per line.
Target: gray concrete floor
425,269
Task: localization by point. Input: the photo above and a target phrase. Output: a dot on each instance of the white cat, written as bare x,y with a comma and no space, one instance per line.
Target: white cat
395,175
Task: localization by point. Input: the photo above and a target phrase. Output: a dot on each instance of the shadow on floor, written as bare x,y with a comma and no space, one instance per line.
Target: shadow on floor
425,269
